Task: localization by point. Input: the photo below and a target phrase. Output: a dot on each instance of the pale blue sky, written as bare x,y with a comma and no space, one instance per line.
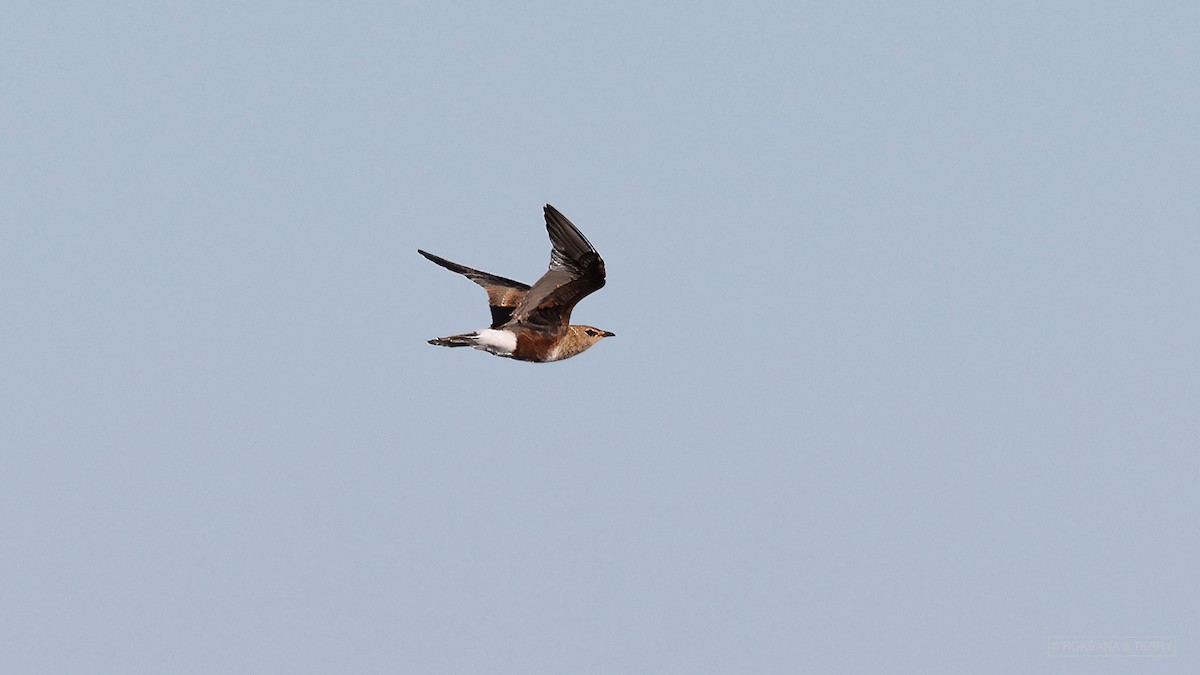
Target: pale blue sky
905,379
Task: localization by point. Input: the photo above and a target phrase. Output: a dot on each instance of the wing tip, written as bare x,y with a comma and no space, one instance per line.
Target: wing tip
565,235
437,260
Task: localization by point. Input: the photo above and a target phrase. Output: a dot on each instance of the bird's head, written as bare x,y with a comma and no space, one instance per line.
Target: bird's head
590,335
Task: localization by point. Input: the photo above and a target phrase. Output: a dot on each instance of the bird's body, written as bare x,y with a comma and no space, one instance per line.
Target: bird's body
532,323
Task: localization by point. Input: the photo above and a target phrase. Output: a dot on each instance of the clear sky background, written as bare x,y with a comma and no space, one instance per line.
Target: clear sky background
905,380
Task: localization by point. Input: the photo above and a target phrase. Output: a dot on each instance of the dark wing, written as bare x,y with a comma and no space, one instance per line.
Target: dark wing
503,294
576,270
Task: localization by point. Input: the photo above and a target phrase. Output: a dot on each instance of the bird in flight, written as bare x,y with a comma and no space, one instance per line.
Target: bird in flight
533,323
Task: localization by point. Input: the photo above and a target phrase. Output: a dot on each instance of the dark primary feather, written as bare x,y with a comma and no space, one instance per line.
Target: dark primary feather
576,270
503,294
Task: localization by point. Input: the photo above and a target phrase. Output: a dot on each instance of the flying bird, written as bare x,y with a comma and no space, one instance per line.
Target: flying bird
533,323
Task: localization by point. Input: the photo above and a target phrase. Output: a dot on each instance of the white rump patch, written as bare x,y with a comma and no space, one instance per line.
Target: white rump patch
500,342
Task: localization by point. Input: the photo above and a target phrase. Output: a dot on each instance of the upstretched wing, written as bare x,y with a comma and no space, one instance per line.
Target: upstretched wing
576,270
503,294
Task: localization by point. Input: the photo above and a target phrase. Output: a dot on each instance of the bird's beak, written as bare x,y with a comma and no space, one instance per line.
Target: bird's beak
608,334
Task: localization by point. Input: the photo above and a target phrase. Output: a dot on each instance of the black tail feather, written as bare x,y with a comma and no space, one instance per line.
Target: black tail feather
464,340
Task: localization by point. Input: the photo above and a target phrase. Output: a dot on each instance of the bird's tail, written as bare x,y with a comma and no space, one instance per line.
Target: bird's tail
464,340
